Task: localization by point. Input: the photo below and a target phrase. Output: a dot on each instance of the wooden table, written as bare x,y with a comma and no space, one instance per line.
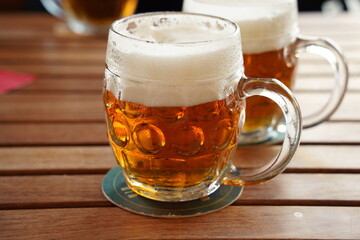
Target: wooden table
54,152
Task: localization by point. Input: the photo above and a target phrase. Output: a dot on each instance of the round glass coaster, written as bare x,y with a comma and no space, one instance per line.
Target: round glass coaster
116,191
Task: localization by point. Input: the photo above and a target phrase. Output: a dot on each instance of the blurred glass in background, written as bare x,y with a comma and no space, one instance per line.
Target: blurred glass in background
90,17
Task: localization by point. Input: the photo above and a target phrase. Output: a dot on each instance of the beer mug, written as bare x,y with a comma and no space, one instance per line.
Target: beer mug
271,47
174,93
90,17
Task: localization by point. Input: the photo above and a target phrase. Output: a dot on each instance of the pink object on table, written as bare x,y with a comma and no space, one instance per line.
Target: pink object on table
12,80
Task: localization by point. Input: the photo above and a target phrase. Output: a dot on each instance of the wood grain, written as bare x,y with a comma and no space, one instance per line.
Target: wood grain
332,133
63,84
234,222
52,107
56,160
53,134
85,190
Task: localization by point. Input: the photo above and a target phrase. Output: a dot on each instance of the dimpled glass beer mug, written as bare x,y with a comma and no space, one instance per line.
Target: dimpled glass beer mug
174,97
90,17
271,46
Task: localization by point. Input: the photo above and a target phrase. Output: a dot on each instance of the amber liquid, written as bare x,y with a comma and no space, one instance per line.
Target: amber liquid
280,64
173,147
99,12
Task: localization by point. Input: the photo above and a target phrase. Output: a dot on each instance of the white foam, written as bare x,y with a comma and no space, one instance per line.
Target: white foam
265,25
160,64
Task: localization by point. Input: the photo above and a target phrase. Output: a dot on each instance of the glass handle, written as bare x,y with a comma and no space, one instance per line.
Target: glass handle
332,53
53,7
279,93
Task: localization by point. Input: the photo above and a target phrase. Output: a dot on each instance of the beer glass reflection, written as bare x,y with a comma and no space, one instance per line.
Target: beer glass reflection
271,44
174,98
90,17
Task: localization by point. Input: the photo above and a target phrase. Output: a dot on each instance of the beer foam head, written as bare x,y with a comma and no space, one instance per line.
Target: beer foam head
173,59
265,25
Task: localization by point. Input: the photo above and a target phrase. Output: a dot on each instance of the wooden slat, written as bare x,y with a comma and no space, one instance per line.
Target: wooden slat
335,33
46,160
52,107
53,55
235,222
332,133
94,133
24,20
23,25
98,159
75,84
51,191
310,69
53,43
349,109
85,190
323,84
305,189
61,70
53,134
307,159
318,19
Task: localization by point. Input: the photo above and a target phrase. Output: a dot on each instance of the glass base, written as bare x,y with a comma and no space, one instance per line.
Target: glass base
172,195
115,189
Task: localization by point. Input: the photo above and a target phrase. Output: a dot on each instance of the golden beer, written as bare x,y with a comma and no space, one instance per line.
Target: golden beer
279,64
99,12
173,146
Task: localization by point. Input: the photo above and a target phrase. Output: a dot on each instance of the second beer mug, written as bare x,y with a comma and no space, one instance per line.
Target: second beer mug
271,45
174,96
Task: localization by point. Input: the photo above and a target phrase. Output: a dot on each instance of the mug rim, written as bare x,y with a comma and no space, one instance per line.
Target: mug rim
224,37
